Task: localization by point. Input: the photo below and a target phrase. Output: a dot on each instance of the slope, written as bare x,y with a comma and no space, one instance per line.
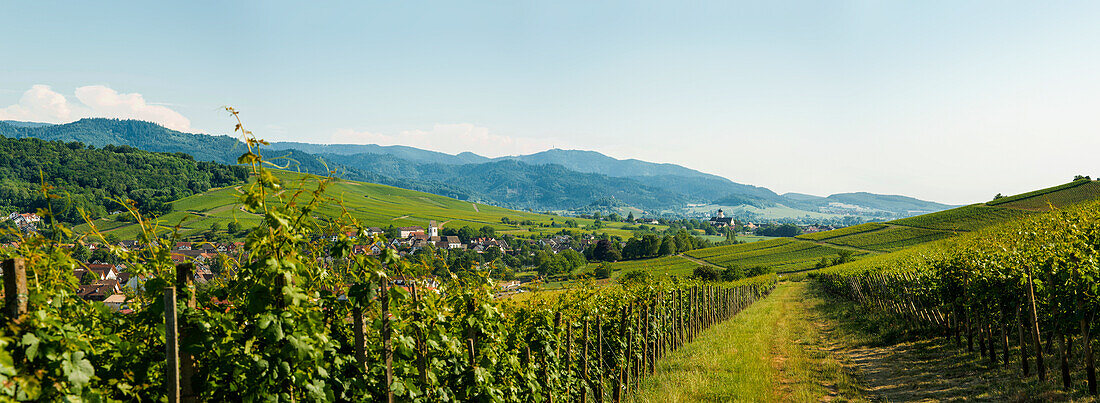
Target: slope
372,204
802,252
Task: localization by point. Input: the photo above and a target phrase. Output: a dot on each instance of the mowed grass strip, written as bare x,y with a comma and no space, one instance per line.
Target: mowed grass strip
774,351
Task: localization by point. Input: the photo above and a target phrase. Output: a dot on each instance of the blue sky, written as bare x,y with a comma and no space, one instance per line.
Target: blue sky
947,101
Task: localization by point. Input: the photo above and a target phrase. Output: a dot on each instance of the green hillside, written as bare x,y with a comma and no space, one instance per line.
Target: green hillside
804,251
372,204
783,254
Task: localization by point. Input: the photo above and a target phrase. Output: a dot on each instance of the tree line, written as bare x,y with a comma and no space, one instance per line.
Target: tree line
92,179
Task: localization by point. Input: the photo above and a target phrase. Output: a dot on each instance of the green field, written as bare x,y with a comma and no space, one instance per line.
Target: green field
1042,200
668,265
888,239
855,229
966,218
783,254
372,204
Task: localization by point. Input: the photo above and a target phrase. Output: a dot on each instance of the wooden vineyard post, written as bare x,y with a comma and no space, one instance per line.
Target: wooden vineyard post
679,325
15,288
557,338
1021,330
1086,344
1040,366
185,280
584,364
421,356
359,328
568,358
387,336
620,374
1063,358
634,332
472,363
600,367
992,345
1004,340
647,337
171,345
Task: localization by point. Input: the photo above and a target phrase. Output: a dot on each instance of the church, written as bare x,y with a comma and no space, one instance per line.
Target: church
721,220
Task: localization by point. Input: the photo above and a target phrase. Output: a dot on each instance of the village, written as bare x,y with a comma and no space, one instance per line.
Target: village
103,278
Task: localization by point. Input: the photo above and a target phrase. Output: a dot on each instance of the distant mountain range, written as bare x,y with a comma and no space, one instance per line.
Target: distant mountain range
563,180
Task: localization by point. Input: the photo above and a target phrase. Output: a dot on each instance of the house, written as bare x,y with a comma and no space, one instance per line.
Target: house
372,231
452,242
115,301
433,229
25,221
183,246
721,221
99,291
99,272
405,232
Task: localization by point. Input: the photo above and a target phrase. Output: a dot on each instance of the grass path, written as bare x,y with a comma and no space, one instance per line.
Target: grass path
799,345
774,351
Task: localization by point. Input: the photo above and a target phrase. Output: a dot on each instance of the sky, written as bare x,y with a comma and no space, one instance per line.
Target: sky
941,100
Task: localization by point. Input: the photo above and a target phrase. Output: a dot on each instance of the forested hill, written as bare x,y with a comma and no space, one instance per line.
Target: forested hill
89,178
549,180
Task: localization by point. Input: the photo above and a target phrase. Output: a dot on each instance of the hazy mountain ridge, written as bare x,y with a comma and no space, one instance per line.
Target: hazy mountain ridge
549,180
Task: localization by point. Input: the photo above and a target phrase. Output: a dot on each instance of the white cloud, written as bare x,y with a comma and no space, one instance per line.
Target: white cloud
448,138
43,104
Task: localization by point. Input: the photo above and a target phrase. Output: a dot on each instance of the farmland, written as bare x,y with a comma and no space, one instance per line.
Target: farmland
855,229
966,218
1058,196
668,265
370,204
887,239
783,255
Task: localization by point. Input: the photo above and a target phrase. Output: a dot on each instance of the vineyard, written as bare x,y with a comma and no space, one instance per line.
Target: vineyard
887,239
784,254
668,265
966,218
300,318
1082,190
855,229
1024,292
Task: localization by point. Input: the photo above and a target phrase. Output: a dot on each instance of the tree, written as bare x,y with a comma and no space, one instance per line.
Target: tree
391,232
705,273
81,253
733,272
487,232
630,217
606,251
758,270
575,259
233,227
668,246
465,234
